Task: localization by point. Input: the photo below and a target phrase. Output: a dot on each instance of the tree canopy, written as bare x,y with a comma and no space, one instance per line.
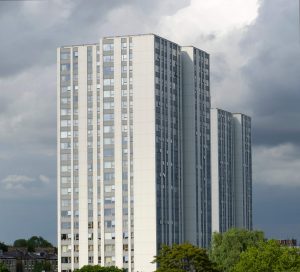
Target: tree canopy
269,256
32,243
3,268
227,247
42,266
183,257
98,268
3,247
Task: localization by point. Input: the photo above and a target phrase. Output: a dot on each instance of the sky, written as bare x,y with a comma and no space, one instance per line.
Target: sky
254,47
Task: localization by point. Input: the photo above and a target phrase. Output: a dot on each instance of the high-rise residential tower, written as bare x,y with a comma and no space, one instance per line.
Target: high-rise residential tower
231,170
128,109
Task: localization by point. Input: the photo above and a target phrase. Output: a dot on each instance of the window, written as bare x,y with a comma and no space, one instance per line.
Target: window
108,58
65,134
108,152
65,55
65,168
108,70
108,105
65,112
64,89
65,191
124,45
108,129
65,67
65,78
109,164
65,180
109,188
66,225
109,247
124,69
123,80
108,117
65,259
108,47
65,123
124,57
108,94
108,212
108,82
109,176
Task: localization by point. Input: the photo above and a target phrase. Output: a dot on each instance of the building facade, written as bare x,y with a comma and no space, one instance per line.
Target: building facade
231,170
124,140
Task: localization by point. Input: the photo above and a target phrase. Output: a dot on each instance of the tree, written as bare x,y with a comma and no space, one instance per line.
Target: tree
42,266
37,241
20,243
3,247
98,268
226,248
32,243
3,268
269,256
183,257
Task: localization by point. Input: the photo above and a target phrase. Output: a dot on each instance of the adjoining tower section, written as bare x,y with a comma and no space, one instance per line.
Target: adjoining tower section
231,165
196,145
222,170
243,170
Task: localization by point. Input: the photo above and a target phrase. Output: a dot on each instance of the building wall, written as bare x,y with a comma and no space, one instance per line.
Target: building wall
144,168
196,146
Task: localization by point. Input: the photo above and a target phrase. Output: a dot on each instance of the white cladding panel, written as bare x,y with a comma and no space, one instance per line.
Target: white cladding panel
144,153
214,171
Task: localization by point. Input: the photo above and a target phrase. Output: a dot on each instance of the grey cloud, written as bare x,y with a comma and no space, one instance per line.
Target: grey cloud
34,29
27,217
14,186
273,73
276,165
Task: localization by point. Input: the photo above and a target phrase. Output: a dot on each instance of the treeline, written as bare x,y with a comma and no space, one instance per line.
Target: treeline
233,251
31,244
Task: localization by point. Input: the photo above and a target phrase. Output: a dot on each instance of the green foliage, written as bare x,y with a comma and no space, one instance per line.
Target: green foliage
98,268
3,247
20,243
32,243
42,266
269,257
226,248
37,241
184,257
3,268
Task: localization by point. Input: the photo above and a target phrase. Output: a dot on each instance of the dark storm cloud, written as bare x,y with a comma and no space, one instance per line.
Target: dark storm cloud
273,73
276,210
